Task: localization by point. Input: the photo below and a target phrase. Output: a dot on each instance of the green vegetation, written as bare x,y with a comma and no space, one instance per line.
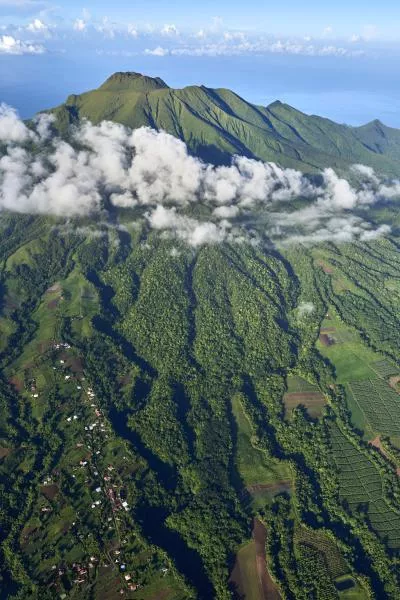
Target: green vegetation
217,123
167,415
352,359
362,487
254,466
379,403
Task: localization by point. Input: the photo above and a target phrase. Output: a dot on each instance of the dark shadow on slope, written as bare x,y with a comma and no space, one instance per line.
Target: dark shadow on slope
104,323
210,153
165,473
187,561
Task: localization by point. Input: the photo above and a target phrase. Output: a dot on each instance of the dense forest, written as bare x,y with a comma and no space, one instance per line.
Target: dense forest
180,423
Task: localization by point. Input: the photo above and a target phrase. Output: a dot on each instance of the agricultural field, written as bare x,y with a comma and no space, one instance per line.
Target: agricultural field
340,282
347,352
385,368
336,564
301,392
250,577
378,403
360,485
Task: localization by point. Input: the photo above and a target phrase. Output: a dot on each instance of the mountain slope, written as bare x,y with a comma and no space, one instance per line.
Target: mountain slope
217,123
154,401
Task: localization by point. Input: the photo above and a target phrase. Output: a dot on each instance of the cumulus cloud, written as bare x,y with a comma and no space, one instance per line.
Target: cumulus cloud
107,28
159,51
10,45
108,165
12,129
132,31
79,25
190,230
169,30
37,26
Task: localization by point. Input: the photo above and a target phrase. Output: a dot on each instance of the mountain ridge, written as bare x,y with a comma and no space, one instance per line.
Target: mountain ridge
217,123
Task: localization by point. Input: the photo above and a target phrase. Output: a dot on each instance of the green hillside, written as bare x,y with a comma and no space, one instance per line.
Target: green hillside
198,421
144,426
217,123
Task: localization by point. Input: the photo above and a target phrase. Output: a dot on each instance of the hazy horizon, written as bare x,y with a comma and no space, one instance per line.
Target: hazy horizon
341,69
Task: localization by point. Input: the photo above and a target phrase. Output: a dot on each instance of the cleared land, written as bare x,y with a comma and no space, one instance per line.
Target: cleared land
347,352
254,466
301,392
250,575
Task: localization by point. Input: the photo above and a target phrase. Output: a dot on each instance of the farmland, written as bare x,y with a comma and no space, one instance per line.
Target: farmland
250,576
335,562
148,416
360,484
352,359
379,403
301,392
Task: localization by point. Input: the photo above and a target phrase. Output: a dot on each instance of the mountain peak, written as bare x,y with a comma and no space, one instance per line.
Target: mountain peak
131,81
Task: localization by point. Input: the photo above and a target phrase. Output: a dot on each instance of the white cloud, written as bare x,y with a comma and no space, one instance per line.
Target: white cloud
152,171
169,30
231,45
236,36
80,25
12,129
226,212
304,309
107,28
10,45
37,26
159,51
368,34
193,232
133,31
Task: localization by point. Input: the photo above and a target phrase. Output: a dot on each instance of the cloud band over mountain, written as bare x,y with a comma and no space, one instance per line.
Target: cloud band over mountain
109,165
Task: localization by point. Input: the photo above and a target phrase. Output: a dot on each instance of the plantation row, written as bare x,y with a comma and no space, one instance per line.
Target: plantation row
380,404
361,486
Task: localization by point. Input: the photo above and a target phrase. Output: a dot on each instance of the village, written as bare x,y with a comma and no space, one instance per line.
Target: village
100,479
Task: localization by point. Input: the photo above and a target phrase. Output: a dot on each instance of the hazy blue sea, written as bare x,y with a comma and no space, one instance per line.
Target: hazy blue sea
352,91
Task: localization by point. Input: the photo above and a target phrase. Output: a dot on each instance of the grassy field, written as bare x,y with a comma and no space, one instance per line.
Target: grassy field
26,254
244,575
254,467
296,384
352,359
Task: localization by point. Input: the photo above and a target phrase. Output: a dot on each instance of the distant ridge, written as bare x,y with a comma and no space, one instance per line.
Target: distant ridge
217,124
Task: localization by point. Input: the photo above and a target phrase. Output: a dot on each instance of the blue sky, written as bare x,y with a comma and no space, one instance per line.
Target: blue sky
336,59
